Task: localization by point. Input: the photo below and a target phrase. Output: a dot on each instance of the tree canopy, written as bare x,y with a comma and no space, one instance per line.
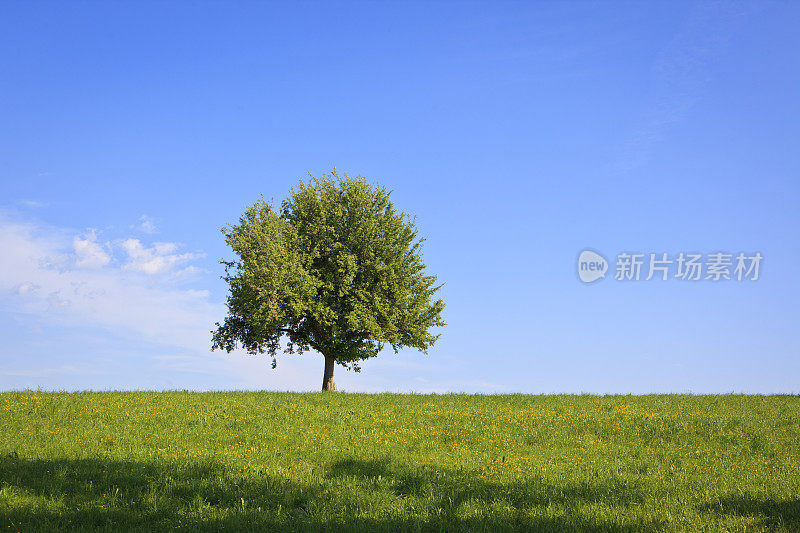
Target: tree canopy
337,269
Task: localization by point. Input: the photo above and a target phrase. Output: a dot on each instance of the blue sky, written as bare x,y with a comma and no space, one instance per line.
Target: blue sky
519,134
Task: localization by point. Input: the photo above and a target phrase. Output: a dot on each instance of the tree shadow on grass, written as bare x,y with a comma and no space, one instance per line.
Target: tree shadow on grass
448,491
778,515
107,494
102,493
464,485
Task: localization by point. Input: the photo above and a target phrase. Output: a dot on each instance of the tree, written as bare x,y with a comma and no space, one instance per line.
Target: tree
337,269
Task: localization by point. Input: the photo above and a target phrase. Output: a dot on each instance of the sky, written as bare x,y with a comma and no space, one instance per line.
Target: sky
518,134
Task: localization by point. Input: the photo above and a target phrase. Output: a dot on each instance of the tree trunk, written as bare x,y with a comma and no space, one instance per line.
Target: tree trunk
327,378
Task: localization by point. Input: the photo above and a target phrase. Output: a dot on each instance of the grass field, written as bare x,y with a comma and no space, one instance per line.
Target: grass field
270,461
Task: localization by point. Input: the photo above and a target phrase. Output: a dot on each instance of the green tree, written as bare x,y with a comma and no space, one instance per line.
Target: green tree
336,269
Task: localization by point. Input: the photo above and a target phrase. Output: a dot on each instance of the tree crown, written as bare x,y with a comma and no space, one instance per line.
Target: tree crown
337,268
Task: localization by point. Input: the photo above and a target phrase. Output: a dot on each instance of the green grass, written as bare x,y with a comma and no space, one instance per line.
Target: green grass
269,461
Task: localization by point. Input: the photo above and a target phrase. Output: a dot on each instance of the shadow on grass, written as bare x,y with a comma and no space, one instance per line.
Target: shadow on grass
107,494
451,488
778,515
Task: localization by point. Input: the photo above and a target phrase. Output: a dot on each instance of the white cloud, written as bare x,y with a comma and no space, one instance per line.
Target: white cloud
147,224
46,279
90,254
157,259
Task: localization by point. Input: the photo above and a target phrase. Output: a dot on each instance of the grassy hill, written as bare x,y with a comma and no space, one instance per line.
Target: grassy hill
273,461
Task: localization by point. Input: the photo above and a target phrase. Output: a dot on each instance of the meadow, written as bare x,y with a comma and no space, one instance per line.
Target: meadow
356,462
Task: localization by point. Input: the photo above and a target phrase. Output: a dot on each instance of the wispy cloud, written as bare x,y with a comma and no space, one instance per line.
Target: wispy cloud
147,224
681,73
49,371
35,204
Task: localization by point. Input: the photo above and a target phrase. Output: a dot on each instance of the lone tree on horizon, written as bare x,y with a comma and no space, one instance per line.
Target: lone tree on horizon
337,269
